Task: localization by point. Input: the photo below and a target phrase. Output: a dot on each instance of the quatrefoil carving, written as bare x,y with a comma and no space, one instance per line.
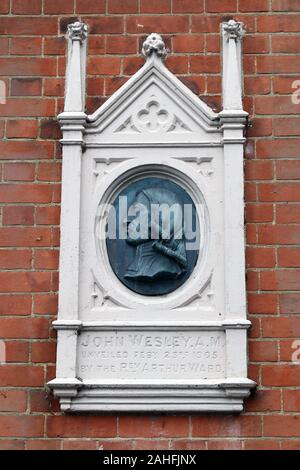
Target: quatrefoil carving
153,116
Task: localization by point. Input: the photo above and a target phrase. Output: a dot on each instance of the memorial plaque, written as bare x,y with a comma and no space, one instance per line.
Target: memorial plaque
151,355
152,308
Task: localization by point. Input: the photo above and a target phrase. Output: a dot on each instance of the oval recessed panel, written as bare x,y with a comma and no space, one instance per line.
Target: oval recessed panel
153,236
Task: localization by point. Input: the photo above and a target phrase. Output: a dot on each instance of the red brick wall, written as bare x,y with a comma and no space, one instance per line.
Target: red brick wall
32,63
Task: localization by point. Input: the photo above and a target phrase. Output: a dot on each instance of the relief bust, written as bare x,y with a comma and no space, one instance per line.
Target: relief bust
157,236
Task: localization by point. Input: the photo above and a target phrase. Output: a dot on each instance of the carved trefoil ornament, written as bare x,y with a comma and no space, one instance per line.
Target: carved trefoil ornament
152,315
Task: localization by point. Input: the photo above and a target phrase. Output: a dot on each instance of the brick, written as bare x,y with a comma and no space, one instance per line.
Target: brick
291,400
23,128
252,280
28,107
25,236
264,400
49,171
289,303
17,66
288,213
277,148
43,351
254,5
97,45
4,7
285,5
290,350
289,257
28,192
260,257
256,44
42,402
13,444
259,170
18,171
77,426
54,87
149,444
164,24
17,351
262,303
45,304
30,7
26,46
25,281
49,129
12,259
143,426
285,44
46,259
285,85
263,351
278,234
280,280
278,23
27,26
56,7
26,87
90,6
188,444
106,25
195,83
13,400
82,444
262,444
279,375
48,215
226,426
55,45
104,65
21,376
280,327
259,213
188,6
155,6
178,64
126,6
277,64
290,444
216,6
275,105
43,444
188,43
231,444
286,126
21,426
213,43
122,45
280,192
205,24
15,304
20,328
112,84
280,425
132,65
4,46
205,64
95,86
257,87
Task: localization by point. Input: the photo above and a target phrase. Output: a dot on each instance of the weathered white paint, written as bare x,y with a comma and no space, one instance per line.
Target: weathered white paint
205,319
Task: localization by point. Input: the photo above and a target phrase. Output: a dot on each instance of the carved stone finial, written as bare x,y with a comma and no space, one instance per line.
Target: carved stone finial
233,29
77,31
154,43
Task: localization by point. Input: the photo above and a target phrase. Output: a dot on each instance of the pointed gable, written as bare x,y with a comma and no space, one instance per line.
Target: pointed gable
153,106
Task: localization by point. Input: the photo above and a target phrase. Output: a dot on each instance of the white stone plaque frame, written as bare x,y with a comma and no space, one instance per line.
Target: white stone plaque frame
118,350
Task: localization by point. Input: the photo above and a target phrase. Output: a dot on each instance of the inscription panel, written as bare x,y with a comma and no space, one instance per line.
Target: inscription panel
147,355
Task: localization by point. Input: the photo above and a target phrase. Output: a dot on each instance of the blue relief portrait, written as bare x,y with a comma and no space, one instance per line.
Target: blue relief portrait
155,245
